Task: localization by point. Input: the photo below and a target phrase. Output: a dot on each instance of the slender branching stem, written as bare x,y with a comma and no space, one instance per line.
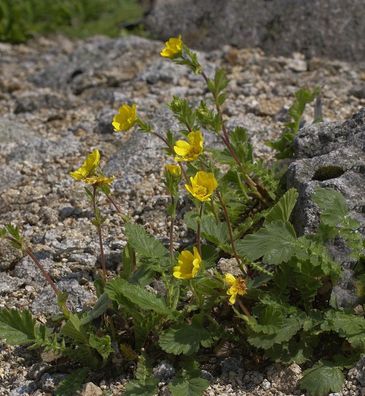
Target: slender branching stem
163,139
212,206
98,229
112,201
172,150
230,232
198,228
225,138
244,308
45,274
171,238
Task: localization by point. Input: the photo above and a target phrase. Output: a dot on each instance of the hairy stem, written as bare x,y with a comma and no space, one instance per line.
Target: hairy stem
244,308
198,229
100,237
230,232
112,201
171,239
45,274
225,138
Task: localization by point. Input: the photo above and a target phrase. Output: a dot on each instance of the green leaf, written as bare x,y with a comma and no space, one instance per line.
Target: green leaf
214,232
72,383
135,388
99,309
242,145
332,205
284,145
273,323
119,289
145,384
347,325
186,339
17,327
143,372
321,379
284,207
102,345
143,243
186,386
74,329
275,242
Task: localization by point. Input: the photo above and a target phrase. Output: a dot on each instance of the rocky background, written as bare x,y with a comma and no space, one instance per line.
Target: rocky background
330,28
57,99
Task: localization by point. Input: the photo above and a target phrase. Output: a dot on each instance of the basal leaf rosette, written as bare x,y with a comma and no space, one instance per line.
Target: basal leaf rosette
202,186
188,264
191,149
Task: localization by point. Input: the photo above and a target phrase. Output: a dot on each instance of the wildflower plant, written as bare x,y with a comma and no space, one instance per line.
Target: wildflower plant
278,303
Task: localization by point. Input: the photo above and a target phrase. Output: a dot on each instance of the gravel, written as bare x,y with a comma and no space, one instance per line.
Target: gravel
56,97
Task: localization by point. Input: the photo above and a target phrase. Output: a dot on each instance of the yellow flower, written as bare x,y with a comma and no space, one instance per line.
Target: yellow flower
173,170
190,150
89,166
236,286
202,185
125,119
173,48
188,264
89,172
98,180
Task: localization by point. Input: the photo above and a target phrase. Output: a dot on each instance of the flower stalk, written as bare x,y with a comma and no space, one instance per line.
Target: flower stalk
97,223
230,232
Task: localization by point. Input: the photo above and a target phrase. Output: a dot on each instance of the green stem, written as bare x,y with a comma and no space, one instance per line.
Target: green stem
171,239
100,237
198,229
195,294
230,232
225,138
212,206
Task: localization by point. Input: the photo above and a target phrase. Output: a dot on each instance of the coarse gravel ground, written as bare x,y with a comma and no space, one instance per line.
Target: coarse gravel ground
57,98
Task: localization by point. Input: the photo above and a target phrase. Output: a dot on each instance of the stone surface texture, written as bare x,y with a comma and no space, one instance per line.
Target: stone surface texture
333,28
57,98
331,155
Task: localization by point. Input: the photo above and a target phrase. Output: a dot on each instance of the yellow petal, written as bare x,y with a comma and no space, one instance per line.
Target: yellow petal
229,279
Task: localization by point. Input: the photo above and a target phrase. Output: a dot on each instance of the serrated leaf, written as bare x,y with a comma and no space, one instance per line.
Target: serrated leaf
72,383
284,207
143,372
332,205
74,329
120,289
186,386
102,345
284,145
347,325
275,242
320,380
214,232
143,243
242,146
185,339
135,388
99,308
17,327
290,327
